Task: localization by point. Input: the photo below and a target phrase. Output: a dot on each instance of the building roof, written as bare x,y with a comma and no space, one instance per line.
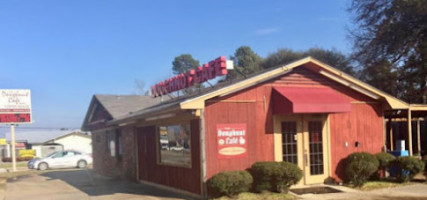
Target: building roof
81,134
198,101
118,105
311,63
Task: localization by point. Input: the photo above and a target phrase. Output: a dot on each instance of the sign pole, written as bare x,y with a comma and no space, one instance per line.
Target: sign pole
12,138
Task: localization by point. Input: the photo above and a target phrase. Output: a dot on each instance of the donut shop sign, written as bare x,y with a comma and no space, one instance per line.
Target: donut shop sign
210,70
232,141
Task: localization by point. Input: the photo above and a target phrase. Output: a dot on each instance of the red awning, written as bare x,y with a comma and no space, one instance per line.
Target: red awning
308,100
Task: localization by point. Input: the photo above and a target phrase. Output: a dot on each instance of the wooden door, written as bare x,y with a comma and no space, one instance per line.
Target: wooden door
142,154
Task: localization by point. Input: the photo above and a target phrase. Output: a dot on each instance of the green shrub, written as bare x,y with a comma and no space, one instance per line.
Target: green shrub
425,164
229,183
275,176
407,168
385,159
359,167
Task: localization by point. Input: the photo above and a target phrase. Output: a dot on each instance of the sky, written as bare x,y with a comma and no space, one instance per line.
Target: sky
66,51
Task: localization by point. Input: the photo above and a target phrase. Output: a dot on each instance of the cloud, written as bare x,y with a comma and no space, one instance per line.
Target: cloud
266,31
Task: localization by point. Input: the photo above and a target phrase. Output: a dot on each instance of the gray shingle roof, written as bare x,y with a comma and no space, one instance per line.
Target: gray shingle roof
118,105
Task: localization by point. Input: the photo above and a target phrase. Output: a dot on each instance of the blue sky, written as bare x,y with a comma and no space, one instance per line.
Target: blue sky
66,51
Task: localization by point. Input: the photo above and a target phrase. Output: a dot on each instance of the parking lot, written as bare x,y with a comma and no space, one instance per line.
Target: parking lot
81,184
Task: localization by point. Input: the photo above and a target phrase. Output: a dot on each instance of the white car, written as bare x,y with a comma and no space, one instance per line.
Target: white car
61,159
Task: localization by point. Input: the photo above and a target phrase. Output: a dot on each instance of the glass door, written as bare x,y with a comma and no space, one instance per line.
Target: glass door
315,148
303,140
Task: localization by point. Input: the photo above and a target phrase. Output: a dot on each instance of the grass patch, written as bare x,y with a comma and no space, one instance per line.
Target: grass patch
256,196
9,164
373,185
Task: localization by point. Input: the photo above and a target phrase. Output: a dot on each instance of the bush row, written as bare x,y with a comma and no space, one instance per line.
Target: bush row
262,176
19,159
360,167
279,176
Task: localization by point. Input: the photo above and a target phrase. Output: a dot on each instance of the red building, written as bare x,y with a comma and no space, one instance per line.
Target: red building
305,112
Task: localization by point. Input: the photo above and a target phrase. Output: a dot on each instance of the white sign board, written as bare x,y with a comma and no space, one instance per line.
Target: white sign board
15,106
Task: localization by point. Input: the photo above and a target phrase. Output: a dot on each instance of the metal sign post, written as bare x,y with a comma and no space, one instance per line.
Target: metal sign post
12,138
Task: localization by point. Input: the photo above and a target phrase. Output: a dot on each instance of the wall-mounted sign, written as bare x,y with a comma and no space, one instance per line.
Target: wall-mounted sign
232,141
214,68
15,106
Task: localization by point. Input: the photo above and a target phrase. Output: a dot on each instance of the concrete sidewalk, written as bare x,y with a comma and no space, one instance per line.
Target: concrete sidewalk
416,191
81,184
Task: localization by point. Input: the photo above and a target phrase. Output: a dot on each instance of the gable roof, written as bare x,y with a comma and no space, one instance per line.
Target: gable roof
69,134
311,63
118,105
198,101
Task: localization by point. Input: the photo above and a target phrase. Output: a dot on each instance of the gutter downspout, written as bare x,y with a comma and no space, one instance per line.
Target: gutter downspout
203,154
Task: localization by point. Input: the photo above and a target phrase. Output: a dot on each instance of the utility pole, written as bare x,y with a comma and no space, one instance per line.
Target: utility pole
12,138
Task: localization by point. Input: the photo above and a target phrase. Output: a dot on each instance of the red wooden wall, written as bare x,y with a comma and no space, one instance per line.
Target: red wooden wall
259,129
184,178
253,106
363,124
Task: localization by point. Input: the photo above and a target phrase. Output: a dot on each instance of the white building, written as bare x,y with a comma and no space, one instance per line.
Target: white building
74,141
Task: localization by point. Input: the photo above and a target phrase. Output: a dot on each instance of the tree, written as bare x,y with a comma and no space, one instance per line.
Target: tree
140,87
246,62
333,58
281,57
183,63
381,75
393,32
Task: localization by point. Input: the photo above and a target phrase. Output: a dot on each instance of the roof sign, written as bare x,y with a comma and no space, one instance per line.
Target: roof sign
210,70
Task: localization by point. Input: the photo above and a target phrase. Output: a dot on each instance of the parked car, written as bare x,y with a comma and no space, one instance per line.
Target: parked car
61,159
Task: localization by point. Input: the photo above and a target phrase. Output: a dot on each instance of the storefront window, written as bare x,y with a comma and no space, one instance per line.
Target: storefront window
174,145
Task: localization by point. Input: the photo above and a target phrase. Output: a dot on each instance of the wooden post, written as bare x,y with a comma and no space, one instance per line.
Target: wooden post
390,132
419,136
12,138
409,132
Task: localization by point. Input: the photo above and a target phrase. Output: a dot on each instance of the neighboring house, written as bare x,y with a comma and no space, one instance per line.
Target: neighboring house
74,141
6,150
305,112
42,150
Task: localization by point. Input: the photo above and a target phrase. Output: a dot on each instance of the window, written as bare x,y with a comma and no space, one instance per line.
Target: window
59,154
114,142
174,145
111,144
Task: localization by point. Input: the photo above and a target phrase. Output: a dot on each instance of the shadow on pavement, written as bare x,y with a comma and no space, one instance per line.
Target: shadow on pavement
95,185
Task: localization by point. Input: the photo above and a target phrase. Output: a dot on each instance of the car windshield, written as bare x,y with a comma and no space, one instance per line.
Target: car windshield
52,154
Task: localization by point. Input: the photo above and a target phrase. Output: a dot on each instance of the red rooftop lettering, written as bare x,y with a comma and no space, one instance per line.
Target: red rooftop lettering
199,75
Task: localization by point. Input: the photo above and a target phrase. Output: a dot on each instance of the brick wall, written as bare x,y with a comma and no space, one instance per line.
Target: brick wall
120,166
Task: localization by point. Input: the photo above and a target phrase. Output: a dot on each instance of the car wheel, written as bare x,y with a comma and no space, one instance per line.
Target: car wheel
43,166
82,164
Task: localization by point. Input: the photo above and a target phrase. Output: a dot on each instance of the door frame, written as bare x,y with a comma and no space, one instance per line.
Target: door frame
303,140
